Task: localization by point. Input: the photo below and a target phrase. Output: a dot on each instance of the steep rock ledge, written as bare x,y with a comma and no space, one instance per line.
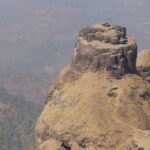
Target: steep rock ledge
104,46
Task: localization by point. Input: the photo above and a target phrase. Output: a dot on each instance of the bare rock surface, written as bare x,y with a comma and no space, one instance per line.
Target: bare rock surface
86,108
105,33
103,46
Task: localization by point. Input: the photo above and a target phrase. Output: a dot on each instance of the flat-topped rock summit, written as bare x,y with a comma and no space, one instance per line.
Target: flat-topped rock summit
103,46
105,33
143,63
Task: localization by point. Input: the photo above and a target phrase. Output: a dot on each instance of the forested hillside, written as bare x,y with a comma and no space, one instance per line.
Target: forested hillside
17,121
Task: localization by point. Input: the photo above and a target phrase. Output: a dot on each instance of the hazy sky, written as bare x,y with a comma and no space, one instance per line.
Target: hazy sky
36,34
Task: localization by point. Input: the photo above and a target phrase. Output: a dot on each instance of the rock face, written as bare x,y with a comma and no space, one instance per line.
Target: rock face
143,63
86,108
105,46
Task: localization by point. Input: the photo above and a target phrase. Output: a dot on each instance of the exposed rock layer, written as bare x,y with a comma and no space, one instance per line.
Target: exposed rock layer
87,109
95,49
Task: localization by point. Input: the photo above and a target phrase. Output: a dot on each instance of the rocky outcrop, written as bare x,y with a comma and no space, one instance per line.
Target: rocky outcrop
105,33
143,63
86,108
104,46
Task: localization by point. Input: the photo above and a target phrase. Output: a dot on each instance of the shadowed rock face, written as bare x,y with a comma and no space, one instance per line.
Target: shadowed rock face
103,46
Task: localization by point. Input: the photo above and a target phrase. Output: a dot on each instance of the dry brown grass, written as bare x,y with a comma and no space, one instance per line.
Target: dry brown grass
143,59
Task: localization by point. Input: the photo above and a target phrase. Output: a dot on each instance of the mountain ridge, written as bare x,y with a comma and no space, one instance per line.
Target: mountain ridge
101,100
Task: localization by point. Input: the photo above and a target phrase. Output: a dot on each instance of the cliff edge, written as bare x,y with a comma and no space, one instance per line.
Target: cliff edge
101,101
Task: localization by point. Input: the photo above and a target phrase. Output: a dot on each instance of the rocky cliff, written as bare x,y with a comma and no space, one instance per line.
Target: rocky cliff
103,46
101,101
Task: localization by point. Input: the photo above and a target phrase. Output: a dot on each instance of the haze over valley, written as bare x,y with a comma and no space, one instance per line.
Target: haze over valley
37,38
